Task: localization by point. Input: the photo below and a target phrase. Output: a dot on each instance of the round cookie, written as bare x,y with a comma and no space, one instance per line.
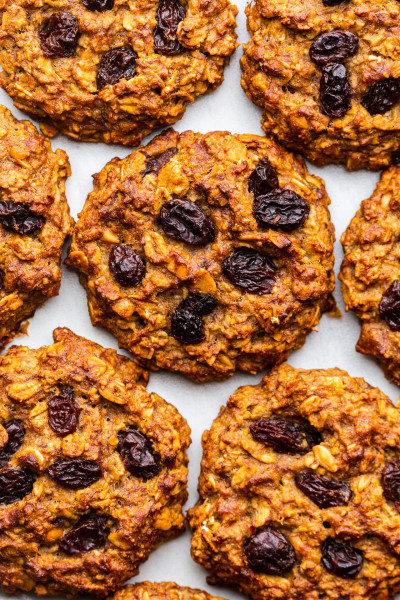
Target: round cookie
370,273
327,77
206,254
165,590
112,70
34,221
92,468
299,494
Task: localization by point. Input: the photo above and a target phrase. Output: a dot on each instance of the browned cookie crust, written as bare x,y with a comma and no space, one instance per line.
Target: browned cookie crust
258,526
104,78
370,273
92,468
165,590
177,218
34,221
278,74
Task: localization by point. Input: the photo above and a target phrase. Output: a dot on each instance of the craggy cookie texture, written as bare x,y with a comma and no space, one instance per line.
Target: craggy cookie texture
326,75
161,591
92,468
34,221
112,70
299,493
206,253
370,273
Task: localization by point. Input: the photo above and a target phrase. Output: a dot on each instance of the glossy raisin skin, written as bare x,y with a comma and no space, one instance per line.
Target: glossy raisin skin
389,306
63,412
325,492
137,455
199,304
263,179
15,484
117,64
250,271
126,265
75,474
98,5
333,46
270,552
59,36
281,209
391,483
16,433
334,91
19,219
169,14
285,437
341,559
382,96
154,164
88,534
186,324
186,222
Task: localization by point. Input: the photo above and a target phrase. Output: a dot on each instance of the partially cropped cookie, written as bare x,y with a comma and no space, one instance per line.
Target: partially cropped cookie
206,254
299,490
112,70
327,77
165,590
92,468
34,221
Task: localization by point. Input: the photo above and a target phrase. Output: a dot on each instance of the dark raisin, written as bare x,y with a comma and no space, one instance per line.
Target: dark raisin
323,491
281,209
333,46
117,64
15,484
396,158
187,328
334,91
285,437
391,483
16,433
186,222
270,552
137,455
18,218
88,534
250,271
341,559
333,2
59,36
199,304
263,179
382,96
169,14
63,412
98,5
75,474
126,265
154,164
389,306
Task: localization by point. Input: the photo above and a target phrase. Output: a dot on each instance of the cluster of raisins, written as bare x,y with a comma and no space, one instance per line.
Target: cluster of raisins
18,218
187,323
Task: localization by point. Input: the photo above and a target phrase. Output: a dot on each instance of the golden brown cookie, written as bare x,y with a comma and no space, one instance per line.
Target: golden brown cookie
112,70
165,590
92,468
34,221
206,254
327,77
299,490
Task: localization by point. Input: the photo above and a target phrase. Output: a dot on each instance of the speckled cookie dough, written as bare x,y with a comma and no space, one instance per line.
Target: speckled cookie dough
327,77
299,493
92,468
206,254
161,591
112,70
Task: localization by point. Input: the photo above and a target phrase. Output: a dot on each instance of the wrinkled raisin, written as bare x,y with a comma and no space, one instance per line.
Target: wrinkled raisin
18,218
186,222
382,96
98,5
117,64
169,14
154,164
187,328
75,474
59,36
281,209
126,265
334,91
270,552
88,534
389,306
16,433
333,46
341,559
199,304
137,455
250,271
391,483
263,179
63,412
15,484
323,491
285,437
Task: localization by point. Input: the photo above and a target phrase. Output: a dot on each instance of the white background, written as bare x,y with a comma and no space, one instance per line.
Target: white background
333,345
